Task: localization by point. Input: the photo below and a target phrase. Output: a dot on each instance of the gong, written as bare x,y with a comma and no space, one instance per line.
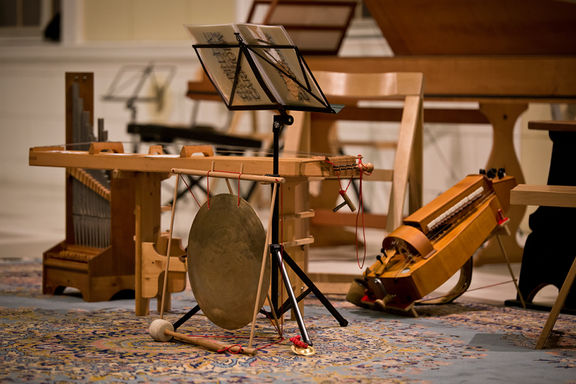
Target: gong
225,248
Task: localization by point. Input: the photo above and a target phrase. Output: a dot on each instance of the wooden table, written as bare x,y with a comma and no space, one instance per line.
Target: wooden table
145,173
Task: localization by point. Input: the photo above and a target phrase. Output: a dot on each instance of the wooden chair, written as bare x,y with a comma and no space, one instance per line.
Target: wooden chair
405,174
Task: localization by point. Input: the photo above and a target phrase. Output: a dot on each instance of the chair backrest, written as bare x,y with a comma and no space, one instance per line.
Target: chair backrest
351,88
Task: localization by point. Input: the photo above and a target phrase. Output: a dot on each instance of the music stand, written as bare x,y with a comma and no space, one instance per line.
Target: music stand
260,74
130,80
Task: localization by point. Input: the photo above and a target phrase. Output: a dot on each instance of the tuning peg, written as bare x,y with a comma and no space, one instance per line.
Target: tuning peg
366,168
491,173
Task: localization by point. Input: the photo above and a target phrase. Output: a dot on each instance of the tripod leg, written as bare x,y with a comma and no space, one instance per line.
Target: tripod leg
341,320
186,316
275,249
287,305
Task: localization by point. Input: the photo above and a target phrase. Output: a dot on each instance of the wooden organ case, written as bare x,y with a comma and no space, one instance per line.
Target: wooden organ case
436,241
90,259
97,255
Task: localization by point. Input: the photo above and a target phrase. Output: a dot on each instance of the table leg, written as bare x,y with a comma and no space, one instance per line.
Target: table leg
147,212
558,304
503,117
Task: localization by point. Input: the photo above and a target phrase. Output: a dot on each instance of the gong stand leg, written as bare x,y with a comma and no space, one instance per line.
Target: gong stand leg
192,182
275,249
186,316
168,248
273,318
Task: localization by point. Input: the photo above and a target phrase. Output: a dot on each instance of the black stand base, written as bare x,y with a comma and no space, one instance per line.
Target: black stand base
292,303
280,257
313,289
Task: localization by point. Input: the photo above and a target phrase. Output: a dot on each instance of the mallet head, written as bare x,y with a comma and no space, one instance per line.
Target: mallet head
157,330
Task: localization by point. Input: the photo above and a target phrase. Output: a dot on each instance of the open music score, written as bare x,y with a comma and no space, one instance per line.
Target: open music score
257,67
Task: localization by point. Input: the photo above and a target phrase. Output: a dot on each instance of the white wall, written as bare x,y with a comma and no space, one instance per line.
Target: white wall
151,20
32,102
32,109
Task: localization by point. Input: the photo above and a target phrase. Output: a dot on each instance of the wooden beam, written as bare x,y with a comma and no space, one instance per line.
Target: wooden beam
348,219
473,78
288,167
553,125
545,195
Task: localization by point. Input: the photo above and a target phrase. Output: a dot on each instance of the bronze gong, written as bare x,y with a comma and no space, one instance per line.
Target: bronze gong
225,249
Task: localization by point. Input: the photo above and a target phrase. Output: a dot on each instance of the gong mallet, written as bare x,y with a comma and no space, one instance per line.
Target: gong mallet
163,330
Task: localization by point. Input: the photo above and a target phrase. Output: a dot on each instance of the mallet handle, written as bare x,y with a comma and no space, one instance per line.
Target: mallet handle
210,344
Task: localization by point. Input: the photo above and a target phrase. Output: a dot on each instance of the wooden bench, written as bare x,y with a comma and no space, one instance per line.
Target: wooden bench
547,195
552,196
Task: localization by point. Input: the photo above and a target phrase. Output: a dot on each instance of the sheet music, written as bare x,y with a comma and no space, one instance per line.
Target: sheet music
290,91
288,80
222,64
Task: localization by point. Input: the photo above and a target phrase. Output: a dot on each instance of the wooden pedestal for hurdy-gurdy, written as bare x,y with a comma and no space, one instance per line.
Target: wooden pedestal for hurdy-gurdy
434,242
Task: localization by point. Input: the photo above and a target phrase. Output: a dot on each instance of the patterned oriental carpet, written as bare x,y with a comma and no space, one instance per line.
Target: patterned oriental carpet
62,339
